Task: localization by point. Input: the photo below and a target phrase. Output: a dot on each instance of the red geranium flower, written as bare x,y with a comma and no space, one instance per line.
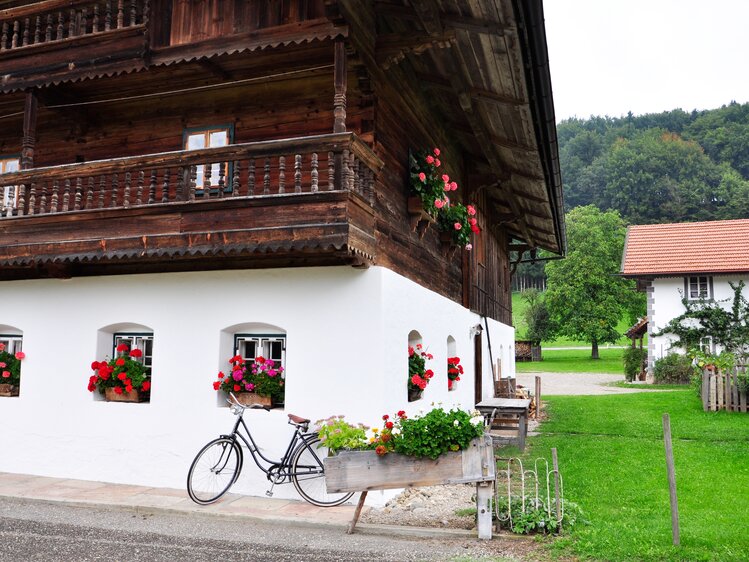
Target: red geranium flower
216,385
136,353
389,425
95,365
237,388
20,355
221,375
118,390
146,386
122,347
381,450
385,417
401,413
122,376
128,388
120,362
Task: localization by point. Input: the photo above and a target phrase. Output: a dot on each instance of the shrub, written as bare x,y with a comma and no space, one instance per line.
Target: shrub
633,358
335,433
537,518
674,369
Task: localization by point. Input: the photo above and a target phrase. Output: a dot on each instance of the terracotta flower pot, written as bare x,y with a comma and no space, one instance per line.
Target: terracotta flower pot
132,396
250,398
8,390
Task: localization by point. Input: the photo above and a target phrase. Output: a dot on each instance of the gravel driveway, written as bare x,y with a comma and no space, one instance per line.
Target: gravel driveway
576,383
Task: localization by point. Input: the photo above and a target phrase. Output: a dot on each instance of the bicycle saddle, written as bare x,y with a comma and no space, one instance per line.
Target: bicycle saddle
297,419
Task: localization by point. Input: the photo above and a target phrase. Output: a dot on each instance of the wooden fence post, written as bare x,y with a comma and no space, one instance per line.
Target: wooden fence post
555,465
484,509
538,397
671,478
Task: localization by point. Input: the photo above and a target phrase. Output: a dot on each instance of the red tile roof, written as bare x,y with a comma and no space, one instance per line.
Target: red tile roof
694,247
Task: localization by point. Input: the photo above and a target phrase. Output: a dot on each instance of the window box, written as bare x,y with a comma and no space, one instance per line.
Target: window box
133,396
250,398
8,390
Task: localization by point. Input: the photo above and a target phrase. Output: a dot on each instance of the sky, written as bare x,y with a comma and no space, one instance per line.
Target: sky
609,57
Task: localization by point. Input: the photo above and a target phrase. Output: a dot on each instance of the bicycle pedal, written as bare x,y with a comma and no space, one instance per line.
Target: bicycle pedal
269,493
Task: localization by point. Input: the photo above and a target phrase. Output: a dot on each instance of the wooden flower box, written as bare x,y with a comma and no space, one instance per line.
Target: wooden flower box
133,396
356,471
250,398
8,390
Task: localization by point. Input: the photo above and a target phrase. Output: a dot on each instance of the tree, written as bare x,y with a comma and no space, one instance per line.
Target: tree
536,316
584,295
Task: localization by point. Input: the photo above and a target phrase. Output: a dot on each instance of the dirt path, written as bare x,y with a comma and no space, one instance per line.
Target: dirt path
577,383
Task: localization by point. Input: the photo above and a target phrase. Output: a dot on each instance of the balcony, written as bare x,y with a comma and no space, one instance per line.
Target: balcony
298,201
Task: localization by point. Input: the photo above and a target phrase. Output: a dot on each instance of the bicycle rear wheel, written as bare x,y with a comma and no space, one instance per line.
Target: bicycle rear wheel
214,470
308,475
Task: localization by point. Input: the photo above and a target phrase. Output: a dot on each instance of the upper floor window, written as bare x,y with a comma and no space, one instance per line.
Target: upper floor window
209,137
707,345
698,287
142,341
9,193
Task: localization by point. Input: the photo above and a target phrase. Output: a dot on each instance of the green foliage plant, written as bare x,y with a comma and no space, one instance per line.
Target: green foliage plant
674,368
123,373
428,182
437,432
537,518
336,434
458,221
633,358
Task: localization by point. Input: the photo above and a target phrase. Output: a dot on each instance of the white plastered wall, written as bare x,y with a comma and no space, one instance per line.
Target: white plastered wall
346,331
667,297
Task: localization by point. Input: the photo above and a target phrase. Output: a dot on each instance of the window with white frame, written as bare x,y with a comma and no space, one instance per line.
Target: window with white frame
699,287
210,137
12,343
142,341
9,193
706,344
268,346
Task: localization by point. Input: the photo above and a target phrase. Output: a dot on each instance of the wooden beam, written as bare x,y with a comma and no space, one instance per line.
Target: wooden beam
476,25
339,77
392,48
511,144
478,94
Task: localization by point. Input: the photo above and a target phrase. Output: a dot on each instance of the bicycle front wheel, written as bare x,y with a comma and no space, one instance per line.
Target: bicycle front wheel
214,470
308,475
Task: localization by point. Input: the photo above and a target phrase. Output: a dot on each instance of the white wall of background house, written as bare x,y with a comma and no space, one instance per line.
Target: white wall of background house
666,304
346,329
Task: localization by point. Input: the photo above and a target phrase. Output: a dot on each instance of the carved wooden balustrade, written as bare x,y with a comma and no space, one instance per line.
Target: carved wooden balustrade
332,162
57,20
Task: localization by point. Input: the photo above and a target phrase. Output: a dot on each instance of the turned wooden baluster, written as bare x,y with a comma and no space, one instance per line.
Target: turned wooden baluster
21,199
38,30
32,199
207,179
357,177
90,193
298,173
66,196
108,16
60,27
4,37
78,194
43,201
235,179
266,177
221,178
102,189
331,171
126,195
139,191
152,188
115,189
345,170
95,21
71,24
370,186
181,171
165,187
48,32
14,39
82,22
120,13
251,177
193,180
313,173
26,26
282,174
133,12
55,196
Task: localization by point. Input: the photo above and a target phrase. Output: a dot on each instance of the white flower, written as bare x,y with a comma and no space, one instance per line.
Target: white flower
477,420
395,431
456,423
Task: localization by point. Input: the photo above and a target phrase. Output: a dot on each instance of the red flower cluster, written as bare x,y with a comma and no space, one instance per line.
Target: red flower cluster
418,374
454,370
262,376
123,373
383,443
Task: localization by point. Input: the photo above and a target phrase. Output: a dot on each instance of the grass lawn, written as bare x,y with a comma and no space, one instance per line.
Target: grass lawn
519,306
612,459
575,361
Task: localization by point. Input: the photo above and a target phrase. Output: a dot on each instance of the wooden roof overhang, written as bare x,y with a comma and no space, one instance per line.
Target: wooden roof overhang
485,66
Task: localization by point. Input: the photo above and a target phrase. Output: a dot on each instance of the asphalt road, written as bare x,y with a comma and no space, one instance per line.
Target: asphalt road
37,531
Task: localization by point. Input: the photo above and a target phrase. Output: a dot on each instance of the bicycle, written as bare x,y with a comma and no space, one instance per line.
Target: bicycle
219,463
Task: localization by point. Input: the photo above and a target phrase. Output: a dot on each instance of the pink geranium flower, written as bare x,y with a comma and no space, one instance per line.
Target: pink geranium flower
439,203
423,176
458,226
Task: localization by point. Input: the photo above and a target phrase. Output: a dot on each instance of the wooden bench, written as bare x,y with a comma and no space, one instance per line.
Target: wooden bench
507,414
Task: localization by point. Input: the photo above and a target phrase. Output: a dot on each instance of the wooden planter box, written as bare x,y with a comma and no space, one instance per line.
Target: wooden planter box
250,398
8,390
133,396
418,217
355,471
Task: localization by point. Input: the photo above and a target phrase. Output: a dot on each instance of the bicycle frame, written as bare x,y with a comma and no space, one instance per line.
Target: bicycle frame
298,439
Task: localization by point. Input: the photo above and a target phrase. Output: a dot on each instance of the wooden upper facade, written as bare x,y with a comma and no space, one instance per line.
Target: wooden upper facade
164,135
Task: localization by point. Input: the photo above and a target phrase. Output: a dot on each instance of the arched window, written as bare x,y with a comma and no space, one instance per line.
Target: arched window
454,368
11,343
125,338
